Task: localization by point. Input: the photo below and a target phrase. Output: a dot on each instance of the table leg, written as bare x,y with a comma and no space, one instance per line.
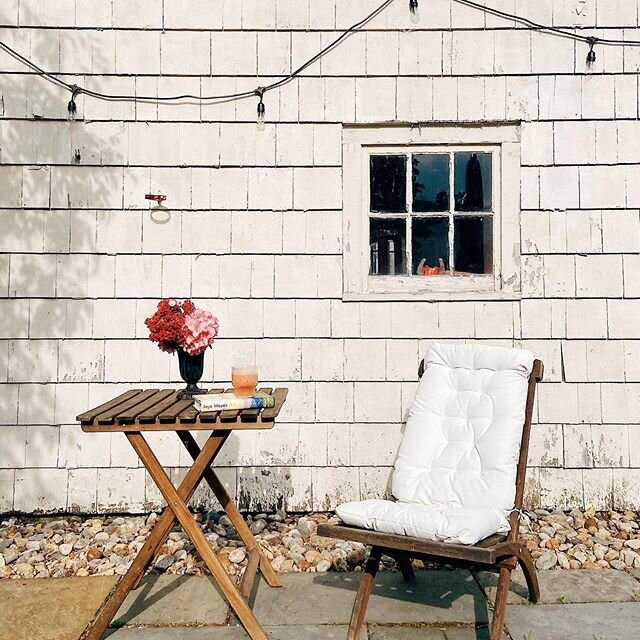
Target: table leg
232,511
95,629
191,528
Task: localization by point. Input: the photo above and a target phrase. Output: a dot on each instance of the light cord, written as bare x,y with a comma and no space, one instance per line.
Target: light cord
77,89
532,25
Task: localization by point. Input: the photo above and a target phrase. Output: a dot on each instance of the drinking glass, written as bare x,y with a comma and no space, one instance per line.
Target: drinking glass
244,379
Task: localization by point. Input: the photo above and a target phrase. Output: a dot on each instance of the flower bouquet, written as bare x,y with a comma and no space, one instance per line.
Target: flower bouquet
179,326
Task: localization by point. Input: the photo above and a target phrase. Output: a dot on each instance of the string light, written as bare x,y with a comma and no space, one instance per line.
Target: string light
535,26
213,98
72,107
413,9
591,56
260,91
261,110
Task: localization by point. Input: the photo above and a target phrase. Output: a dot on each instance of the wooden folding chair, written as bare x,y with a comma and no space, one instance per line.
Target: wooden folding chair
498,553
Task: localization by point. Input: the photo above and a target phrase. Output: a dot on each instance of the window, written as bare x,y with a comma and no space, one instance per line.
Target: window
431,212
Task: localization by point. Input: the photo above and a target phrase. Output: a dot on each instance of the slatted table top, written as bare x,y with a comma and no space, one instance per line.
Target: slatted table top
161,410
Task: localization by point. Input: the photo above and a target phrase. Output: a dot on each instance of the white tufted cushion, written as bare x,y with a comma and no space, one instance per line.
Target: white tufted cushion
455,474
462,525
461,443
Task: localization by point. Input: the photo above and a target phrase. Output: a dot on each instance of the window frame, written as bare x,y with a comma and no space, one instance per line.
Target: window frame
360,142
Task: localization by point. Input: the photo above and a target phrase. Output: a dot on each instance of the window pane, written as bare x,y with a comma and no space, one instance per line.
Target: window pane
472,181
387,246
430,245
430,176
388,183
473,244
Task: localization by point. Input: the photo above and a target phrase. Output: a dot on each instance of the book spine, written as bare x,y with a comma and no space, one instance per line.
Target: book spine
234,404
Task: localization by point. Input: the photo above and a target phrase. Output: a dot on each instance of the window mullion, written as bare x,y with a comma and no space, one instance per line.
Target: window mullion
408,217
452,204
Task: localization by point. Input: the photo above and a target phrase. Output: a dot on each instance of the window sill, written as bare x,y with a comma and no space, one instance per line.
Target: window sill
431,288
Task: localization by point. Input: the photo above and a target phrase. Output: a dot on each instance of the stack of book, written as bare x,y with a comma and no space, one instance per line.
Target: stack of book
231,402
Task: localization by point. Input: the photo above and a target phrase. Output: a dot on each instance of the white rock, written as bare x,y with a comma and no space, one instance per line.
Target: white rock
628,557
257,526
237,555
323,566
580,556
163,562
599,551
547,560
65,549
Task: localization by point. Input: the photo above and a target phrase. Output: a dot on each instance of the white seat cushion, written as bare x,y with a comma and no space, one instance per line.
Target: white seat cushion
459,524
462,439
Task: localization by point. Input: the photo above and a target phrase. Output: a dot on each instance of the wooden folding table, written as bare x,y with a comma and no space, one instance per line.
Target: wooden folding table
137,411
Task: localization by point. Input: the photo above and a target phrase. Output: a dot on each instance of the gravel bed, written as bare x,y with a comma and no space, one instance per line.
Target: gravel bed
34,547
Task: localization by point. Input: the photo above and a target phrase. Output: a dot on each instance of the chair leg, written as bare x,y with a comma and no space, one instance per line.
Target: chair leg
530,575
404,564
362,599
500,608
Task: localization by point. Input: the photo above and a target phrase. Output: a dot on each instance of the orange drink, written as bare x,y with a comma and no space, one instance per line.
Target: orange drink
244,380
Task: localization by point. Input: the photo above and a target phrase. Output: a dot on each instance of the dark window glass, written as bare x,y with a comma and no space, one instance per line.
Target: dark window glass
430,245
472,181
387,246
430,181
388,183
473,244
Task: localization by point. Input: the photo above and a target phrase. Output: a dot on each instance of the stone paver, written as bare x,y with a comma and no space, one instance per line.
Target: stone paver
381,632
433,597
466,633
439,605
302,632
563,587
49,609
594,621
174,600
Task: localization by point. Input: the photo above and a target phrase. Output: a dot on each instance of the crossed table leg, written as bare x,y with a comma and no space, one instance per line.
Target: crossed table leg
176,509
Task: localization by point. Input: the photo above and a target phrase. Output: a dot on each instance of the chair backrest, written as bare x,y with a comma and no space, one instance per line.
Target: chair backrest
466,438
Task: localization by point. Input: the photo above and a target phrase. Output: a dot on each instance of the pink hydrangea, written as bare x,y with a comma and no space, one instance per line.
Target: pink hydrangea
200,328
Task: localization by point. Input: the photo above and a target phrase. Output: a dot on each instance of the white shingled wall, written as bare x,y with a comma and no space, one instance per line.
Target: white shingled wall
255,235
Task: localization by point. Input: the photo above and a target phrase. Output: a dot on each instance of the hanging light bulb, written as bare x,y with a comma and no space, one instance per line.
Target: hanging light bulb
261,110
591,55
72,107
415,12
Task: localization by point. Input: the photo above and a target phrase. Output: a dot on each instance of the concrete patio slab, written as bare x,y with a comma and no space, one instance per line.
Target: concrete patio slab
593,621
433,597
303,632
565,587
378,632
51,609
439,605
174,600
466,633
29,609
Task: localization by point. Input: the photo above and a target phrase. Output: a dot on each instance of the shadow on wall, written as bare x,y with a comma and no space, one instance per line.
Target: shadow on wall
53,188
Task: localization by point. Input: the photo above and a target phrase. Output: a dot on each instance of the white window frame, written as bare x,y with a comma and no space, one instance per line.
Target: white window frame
360,142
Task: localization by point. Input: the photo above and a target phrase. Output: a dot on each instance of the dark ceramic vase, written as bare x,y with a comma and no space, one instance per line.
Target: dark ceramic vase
191,368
